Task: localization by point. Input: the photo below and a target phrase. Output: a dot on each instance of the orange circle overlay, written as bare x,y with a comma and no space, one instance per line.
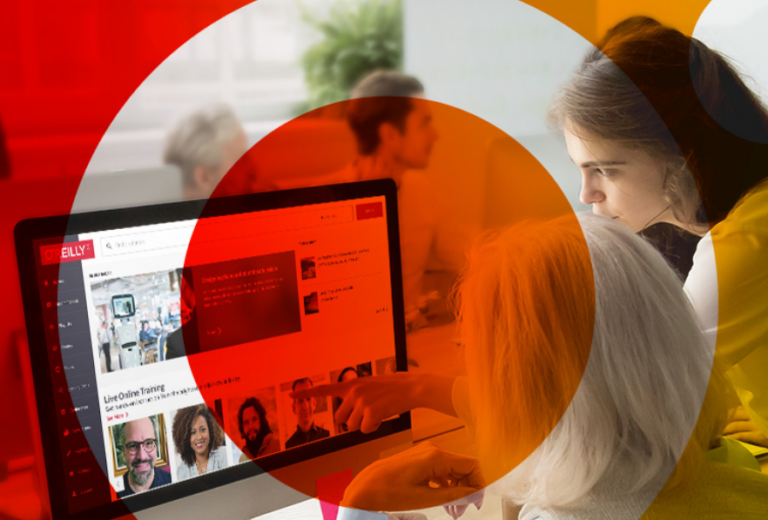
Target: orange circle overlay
499,183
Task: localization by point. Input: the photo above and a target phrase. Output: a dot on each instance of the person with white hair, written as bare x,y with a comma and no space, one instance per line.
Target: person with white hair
205,144
586,373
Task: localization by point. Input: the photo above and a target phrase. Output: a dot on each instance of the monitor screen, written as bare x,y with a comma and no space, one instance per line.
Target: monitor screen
175,335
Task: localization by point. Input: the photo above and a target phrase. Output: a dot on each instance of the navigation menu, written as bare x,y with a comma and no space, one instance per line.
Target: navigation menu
70,354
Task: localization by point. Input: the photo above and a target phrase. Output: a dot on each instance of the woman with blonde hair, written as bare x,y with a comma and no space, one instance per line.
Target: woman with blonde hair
627,426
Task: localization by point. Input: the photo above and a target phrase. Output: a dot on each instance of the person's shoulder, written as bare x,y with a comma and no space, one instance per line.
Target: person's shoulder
415,184
127,491
624,508
416,179
417,199
161,478
293,440
271,445
183,472
751,212
756,196
174,336
174,344
219,453
344,175
733,480
541,513
347,174
322,432
610,499
719,491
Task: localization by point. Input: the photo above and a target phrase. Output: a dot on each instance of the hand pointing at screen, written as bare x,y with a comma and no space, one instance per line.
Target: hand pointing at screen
370,400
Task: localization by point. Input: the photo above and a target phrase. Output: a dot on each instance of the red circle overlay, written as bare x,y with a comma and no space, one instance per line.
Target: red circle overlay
507,184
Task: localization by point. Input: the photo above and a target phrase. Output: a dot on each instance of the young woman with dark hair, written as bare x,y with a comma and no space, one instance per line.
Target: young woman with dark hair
673,144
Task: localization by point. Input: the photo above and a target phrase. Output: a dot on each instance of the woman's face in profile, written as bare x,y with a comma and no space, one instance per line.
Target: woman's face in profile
624,184
199,436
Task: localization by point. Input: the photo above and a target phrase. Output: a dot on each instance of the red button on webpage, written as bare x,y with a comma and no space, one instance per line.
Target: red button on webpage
69,252
369,210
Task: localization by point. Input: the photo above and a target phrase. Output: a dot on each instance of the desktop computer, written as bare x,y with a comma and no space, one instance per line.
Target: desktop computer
227,305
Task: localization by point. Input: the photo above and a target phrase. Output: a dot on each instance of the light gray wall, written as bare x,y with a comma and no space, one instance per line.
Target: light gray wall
501,60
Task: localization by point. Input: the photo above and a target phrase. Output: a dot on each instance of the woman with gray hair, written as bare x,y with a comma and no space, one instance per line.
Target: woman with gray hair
205,144
586,373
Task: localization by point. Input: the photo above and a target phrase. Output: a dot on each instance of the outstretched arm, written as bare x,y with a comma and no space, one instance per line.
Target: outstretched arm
370,400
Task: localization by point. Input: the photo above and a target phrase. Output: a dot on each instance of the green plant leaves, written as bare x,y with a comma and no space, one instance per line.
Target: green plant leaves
359,36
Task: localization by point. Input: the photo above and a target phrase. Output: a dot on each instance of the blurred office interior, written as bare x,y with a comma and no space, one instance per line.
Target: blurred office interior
271,60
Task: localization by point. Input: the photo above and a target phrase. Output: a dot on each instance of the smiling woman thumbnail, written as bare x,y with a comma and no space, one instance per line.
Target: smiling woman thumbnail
199,442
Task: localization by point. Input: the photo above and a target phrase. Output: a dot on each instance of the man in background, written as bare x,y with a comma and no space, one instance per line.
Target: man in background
392,124
205,144
304,410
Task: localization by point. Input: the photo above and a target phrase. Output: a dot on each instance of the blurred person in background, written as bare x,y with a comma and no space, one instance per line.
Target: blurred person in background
147,334
393,127
205,144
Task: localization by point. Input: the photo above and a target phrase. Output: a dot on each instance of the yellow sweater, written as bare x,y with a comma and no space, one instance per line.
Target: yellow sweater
729,290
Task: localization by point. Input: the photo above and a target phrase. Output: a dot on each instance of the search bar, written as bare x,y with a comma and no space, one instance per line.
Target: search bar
148,241
231,228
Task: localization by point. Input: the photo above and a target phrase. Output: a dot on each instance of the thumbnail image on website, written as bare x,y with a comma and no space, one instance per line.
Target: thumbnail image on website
135,318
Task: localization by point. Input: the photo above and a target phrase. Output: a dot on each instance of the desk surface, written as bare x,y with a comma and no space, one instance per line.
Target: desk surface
435,351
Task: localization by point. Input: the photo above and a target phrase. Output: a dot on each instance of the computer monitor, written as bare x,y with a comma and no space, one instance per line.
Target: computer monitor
136,317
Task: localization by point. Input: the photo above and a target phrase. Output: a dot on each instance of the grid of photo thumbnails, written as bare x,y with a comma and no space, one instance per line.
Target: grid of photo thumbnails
258,423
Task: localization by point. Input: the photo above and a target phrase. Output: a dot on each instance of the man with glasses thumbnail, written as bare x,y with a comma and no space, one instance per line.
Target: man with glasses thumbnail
139,441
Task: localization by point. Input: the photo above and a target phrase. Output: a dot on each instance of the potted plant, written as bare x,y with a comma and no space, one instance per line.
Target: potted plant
358,37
